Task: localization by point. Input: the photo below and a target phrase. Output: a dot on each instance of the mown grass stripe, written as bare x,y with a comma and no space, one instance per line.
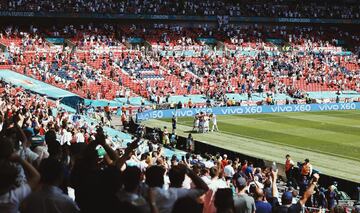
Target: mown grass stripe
305,132
242,128
295,140
346,122
273,151
321,125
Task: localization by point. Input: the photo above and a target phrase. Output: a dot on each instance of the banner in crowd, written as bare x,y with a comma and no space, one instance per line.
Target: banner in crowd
185,112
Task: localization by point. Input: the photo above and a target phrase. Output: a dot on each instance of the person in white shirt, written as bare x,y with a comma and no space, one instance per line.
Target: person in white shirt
50,197
65,137
164,199
128,195
214,185
206,123
214,121
80,136
229,170
10,197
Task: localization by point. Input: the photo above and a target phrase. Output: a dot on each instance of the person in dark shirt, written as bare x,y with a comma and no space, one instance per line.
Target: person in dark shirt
174,122
96,183
330,197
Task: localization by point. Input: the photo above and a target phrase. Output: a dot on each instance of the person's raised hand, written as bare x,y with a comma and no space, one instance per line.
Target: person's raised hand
133,145
100,136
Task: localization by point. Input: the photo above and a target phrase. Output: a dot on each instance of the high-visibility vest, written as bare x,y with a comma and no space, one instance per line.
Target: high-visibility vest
305,170
288,165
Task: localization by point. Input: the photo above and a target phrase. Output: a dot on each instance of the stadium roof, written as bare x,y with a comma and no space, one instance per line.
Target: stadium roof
34,85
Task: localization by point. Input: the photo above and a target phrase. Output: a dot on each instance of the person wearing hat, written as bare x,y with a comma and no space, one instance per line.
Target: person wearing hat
287,197
242,201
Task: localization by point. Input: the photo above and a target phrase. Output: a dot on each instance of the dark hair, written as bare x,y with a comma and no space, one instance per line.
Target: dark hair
6,147
50,136
154,176
54,149
176,176
224,201
214,172
186,204
144,156
51,170
131,178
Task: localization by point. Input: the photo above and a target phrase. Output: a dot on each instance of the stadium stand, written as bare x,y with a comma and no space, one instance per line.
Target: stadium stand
266,60
289,9
93,156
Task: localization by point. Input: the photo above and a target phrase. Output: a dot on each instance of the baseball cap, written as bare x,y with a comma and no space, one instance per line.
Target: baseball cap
241,182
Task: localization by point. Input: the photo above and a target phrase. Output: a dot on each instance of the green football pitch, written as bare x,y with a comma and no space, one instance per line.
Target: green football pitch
331,139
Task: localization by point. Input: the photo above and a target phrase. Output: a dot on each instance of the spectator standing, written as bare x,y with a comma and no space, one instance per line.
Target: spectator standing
50,197
165,198
306,168
242,201
10,196
289,166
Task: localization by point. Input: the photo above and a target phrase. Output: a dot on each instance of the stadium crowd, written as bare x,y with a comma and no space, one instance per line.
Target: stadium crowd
46,153
53,160
259,8
100,66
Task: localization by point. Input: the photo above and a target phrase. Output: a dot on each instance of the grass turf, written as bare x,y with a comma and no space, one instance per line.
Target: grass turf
335,133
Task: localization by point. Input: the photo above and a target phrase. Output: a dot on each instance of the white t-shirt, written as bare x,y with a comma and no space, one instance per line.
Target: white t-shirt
65,137
9,202
229,171
80,137
214,120
210,195
209,164
49,199
165,199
